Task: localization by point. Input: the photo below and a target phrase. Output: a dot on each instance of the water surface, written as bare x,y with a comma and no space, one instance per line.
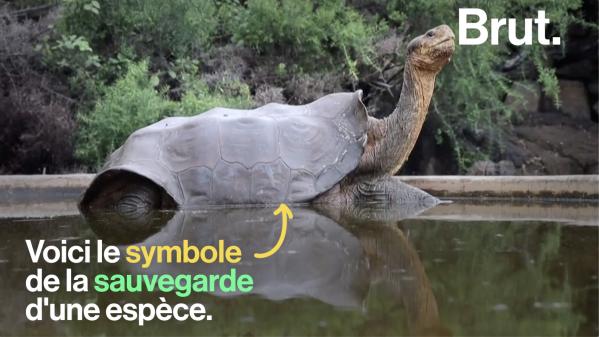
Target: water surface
482,271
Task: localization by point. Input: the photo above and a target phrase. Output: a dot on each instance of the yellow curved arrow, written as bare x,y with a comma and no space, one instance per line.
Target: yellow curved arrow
285,214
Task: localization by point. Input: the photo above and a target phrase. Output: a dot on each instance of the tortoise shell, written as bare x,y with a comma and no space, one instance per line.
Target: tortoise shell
275,153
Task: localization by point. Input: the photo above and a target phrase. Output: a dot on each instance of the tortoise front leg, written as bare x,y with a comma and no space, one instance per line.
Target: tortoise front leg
137,200
390,190
384,198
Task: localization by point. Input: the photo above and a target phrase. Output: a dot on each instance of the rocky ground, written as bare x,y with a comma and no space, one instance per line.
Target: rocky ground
549,139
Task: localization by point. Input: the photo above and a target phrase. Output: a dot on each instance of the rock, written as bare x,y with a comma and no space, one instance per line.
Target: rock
574,101
534,166
525,97
482,168
543,161
514,62
556,164
562,149
506,168
514,150
489,168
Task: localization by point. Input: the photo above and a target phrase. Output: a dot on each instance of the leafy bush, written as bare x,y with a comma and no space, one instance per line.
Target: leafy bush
95,40
175,27
129,104
307,47
325,34
133,102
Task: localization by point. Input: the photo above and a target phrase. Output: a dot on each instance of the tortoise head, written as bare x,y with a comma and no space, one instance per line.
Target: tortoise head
432,50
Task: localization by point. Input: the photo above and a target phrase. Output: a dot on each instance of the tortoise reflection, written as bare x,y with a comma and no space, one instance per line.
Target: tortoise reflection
334,261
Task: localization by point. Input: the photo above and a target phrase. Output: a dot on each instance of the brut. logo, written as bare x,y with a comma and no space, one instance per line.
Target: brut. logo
483,34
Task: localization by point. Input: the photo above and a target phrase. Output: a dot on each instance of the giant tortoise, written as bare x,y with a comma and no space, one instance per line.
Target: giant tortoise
329,151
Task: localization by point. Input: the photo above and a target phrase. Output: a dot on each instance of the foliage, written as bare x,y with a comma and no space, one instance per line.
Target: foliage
306,48
96,42
175,27
69,48
323,31
126,106
133,102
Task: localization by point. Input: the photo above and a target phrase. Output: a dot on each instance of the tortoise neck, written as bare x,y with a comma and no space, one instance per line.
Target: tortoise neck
404,124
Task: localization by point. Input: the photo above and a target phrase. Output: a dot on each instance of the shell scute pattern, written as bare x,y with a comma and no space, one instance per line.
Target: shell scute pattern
270,182
309,143
248,140
271,154
134,153
187,145
198,185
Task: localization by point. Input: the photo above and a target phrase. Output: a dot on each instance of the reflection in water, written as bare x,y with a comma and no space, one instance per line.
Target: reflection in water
319,259
368,272
115,229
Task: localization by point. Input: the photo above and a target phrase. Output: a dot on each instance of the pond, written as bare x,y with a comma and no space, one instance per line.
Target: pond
458,269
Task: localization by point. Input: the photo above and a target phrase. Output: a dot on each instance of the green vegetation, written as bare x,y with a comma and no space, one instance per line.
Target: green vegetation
130,103
134,101
129,63
321,34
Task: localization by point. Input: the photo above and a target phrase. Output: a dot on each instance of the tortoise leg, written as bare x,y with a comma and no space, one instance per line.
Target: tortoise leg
374,200
383,198
390,190
137,200
122,207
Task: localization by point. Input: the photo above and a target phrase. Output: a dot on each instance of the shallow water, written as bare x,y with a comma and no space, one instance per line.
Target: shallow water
461,269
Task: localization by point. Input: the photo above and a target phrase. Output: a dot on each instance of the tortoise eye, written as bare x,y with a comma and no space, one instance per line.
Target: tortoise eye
430,33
